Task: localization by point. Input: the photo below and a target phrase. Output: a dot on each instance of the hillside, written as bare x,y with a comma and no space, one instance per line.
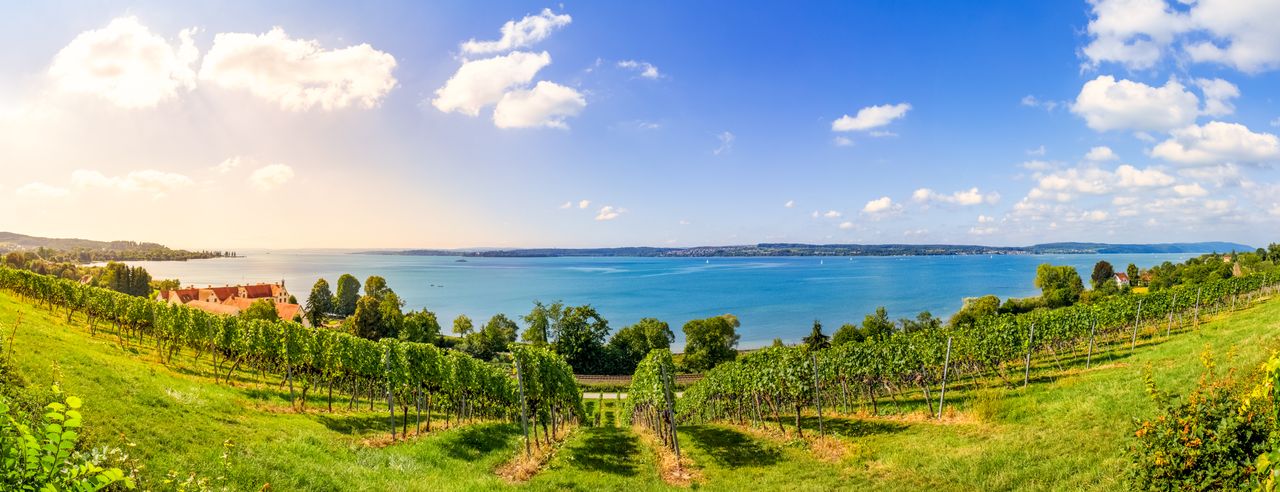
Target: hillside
88,250
1067,430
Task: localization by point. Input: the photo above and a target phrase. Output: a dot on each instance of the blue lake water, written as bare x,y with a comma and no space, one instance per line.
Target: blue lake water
773,297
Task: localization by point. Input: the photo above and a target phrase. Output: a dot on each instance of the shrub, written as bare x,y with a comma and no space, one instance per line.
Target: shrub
1208,440
41,455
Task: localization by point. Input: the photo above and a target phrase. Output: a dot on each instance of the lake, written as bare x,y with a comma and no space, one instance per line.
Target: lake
773,297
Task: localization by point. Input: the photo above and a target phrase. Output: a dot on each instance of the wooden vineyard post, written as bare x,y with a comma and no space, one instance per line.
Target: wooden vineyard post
1026,375
1172,308
1197,320
671,412
524,410
817,394
1093,330
942,396
391,407
1137,318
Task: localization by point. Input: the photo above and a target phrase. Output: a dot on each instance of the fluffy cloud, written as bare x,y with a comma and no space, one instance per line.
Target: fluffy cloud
986,219
546,105
789,204
1218,95
971,196
646,69
157,183
227,165
298,74
842,141
1100,154
870,117
270,177
1062,185
880,205
584,203
1108,104
479,83
846,225
1218,143
1035,102
1127,176
126,64
41,190
566,205
518,34
609,212
832,214
1139,33
1193,189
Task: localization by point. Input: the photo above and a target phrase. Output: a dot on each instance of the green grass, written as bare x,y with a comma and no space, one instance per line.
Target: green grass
1066,431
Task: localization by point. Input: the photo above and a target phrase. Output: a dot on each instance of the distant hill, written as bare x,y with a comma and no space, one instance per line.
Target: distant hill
799,249
87,250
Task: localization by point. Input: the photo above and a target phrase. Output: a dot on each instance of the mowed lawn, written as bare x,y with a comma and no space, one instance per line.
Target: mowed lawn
1066,431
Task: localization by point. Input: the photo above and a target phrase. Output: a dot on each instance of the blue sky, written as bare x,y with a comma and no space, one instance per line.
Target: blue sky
992,123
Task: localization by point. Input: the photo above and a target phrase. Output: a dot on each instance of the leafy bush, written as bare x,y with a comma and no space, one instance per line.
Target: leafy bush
42,455
1208,440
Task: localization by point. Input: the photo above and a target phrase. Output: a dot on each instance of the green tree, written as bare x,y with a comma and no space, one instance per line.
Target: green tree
496,336
1103,273
347,295
924,322
263,309
974,308
1059,285
1132,272
366,321
420,326
816,339
390,318
631,344
376,286
847,333
710,341
877,325
319,303
580,338
541,321
462,325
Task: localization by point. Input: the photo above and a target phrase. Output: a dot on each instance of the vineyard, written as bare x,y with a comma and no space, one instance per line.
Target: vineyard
400,375
787,381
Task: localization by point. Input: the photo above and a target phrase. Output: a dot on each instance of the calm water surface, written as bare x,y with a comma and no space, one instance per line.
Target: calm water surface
773,297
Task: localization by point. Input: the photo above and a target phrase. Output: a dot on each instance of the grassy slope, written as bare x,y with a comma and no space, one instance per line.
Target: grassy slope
1066,431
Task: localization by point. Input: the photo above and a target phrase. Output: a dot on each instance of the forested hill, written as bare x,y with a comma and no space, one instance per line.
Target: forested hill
87,250
797,249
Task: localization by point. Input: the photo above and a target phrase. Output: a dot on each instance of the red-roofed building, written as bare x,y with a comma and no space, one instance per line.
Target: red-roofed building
231,299
1122,279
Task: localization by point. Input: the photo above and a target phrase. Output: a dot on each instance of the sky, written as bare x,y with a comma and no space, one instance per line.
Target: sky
227,125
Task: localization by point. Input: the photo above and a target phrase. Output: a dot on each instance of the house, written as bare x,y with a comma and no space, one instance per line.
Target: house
1122,279
230,300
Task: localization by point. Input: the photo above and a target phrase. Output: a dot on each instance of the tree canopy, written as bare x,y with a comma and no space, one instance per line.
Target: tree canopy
319,303
1059,285
347,295
710,341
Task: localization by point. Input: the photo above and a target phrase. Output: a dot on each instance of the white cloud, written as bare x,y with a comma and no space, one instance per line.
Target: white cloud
1094,216
1131,177
847,225
982,231
479,83
1218,95
1131,32
518,34
298,74
1034,102
870,117
270,177
546,105
790,204
646,69
842,141
229,164
1139,33
726,143
1108,104
1218,143
566,205
609,212
1275,122
684,222
971,196
832,214
157,183
1037,165
584,204
1038,151
1193,189
41,190
126,64
879,205
1100,154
